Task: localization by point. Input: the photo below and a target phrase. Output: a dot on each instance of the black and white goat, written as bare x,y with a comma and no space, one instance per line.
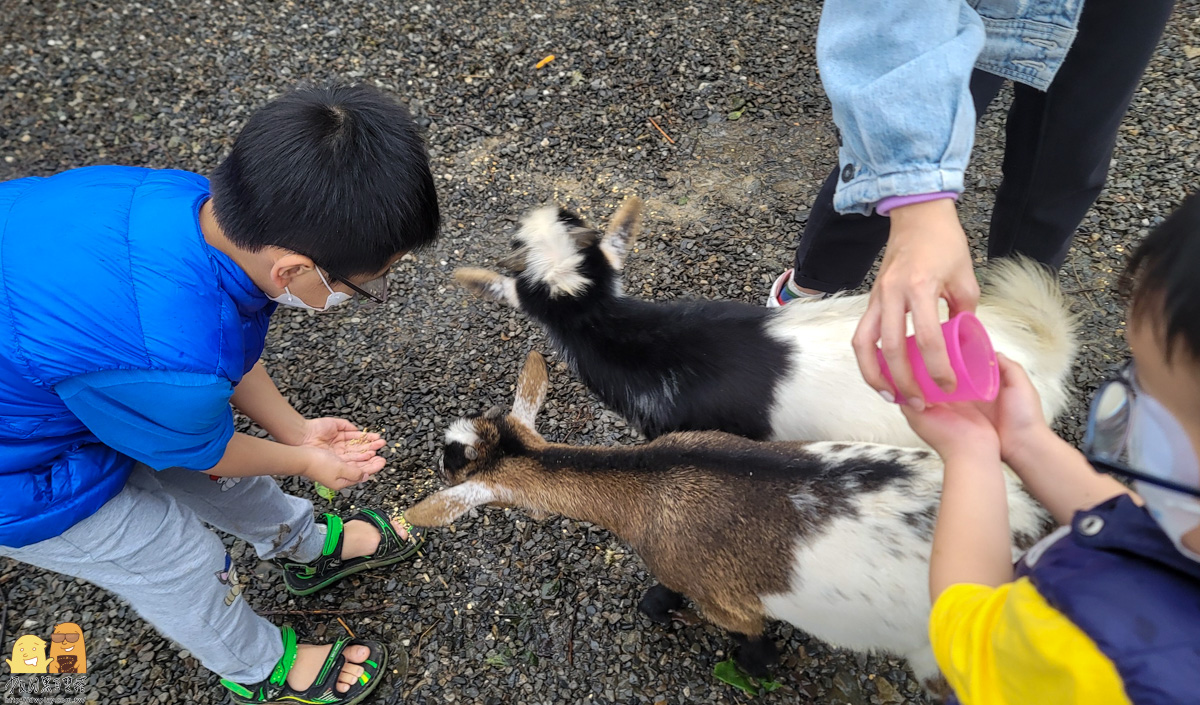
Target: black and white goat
779,374
834,538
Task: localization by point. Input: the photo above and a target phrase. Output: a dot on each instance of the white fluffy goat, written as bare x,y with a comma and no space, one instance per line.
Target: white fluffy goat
777,374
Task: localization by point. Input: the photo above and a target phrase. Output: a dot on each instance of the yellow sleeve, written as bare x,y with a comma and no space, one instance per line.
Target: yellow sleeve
1008,646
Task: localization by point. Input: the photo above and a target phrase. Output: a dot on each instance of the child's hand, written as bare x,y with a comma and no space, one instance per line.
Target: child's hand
962,429
341,437
1017,412
337,472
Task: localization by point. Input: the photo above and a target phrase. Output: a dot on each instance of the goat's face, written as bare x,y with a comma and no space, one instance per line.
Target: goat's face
556,256
556,251
476,448
468,449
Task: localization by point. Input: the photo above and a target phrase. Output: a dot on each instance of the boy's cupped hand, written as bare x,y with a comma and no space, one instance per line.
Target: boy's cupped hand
326,467
342,454
979,428
340,436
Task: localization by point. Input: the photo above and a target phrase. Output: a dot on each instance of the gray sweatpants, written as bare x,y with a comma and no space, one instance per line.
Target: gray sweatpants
149,545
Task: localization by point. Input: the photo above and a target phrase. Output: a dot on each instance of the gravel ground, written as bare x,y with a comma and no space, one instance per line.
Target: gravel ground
502,608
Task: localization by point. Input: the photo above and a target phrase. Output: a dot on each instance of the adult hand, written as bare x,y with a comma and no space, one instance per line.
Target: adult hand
341,437
927,259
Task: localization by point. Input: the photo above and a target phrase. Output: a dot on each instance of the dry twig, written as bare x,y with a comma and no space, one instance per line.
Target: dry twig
664,134
571,637
417,653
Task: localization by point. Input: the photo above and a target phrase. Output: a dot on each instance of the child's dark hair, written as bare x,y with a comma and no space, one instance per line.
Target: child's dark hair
1163,277
338,174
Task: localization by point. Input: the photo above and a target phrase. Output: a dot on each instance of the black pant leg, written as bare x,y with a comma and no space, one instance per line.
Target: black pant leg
1059,143
836,251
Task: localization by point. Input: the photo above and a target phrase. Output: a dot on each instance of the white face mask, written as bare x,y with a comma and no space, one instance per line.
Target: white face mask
287,298
1158,446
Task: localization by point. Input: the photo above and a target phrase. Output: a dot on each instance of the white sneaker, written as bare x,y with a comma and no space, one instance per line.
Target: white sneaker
775,298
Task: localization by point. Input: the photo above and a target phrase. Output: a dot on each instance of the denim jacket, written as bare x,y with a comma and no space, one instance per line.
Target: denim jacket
898,75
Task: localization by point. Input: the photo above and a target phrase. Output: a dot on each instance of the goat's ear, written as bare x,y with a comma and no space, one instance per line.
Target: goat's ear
531,389
622,232
584,237
487,284
444,507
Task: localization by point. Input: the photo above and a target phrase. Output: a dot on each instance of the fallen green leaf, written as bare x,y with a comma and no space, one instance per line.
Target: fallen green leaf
768,686
736,114
551,589
728,672
324,491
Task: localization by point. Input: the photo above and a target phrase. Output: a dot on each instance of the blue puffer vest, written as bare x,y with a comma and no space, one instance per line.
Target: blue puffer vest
1118,577
101,268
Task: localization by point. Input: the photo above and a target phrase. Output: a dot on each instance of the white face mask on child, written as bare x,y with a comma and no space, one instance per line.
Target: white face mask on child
1159,446
287,298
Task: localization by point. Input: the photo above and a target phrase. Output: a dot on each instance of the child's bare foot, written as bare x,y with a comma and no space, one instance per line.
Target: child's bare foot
361,538
310,658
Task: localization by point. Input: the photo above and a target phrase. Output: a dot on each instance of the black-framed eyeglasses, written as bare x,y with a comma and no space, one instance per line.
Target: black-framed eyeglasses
378,285
376,290
1107,438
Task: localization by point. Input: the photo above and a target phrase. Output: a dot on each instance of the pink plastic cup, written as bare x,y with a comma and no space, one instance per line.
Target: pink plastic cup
971,357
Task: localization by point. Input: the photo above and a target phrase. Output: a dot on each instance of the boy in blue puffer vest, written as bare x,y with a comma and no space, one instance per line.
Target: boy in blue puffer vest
122,352
1105,610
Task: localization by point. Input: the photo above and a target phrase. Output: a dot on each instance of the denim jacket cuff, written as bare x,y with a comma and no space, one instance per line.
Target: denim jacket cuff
863,190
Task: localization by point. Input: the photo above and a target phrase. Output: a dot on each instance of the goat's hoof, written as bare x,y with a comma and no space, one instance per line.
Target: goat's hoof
659,602
937,689
756,655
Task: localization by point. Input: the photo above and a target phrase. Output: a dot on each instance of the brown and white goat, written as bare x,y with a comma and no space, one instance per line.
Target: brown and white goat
832,537
786,374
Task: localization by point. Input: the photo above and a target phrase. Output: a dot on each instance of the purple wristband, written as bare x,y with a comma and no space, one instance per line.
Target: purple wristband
886,205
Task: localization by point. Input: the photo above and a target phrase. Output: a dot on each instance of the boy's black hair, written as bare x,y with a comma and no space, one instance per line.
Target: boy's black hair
1163,276
338,174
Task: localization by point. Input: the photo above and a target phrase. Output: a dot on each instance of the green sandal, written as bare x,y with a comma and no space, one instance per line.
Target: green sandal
275,690
307,578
